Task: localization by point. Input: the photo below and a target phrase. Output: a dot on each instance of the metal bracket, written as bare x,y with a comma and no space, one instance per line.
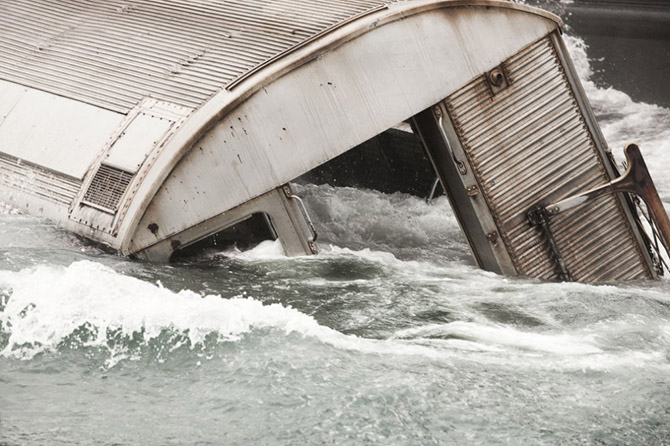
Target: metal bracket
538,216
636,180
497,79
433,190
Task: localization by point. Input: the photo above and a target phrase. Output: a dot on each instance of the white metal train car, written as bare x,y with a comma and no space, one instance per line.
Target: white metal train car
148,125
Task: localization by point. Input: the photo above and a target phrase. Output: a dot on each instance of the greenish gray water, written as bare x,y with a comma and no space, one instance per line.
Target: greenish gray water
389,336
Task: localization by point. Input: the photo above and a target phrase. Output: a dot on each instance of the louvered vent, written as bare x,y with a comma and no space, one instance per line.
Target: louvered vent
529,144
108,186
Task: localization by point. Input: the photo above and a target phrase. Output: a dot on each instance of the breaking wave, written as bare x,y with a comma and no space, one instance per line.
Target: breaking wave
89,306
48,307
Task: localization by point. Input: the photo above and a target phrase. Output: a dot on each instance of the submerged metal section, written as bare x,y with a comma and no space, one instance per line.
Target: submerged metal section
113,53
527,144
166,151
286,214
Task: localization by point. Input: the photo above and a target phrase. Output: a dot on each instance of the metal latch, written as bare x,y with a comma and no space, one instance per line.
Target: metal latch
497,79
538,216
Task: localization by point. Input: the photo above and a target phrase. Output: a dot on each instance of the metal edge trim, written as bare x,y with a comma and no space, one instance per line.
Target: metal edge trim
239,79
601,146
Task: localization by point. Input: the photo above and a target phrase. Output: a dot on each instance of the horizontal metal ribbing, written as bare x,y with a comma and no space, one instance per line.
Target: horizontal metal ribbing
113,53
33,180
528,144
561,133
534,81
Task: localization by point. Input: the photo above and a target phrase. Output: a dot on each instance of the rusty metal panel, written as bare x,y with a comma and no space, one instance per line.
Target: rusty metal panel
527,143
113,53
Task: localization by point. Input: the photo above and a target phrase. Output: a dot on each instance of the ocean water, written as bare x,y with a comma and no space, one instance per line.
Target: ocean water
390,336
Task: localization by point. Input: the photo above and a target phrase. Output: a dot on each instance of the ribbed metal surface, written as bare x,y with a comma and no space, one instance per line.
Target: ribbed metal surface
529,144
37,181
112,53
107,187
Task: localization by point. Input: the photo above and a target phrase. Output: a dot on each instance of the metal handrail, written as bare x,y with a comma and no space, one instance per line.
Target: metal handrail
312,242
433,189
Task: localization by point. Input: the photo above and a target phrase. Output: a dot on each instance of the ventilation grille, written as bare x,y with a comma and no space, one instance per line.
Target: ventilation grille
108,186
529,144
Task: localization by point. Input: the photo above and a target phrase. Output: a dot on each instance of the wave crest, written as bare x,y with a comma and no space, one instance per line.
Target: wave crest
88,304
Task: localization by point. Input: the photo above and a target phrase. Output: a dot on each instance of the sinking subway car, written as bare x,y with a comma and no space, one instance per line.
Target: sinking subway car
149,126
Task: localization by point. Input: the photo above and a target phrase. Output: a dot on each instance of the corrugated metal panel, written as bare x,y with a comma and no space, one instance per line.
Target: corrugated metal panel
112,53
37,181
529,144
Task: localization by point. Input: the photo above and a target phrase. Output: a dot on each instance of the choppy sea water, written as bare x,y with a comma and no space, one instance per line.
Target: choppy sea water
390,336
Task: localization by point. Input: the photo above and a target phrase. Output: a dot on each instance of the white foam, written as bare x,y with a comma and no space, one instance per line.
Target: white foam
49,303
266,250
7,209
506,337
623,120
360,218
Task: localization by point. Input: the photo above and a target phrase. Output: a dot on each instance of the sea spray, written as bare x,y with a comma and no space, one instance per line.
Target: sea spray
623,120
45,305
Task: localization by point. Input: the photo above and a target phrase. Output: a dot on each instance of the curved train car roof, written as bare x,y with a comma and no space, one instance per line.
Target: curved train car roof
113,54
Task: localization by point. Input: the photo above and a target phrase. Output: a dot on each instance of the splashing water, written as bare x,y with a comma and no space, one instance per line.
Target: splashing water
622,120
390,336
